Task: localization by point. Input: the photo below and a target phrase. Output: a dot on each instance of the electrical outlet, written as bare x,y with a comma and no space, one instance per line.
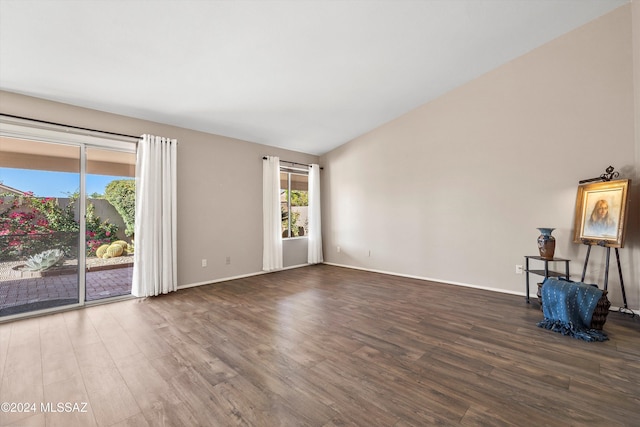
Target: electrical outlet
339,249
228,260
204,262
369,253
519,269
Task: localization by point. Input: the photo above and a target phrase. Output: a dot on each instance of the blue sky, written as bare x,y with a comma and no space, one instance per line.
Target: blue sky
53,184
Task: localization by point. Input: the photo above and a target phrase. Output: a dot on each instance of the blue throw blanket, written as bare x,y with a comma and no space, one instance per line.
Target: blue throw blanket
568,308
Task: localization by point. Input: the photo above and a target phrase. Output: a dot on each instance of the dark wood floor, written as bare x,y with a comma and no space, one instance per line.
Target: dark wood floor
318,346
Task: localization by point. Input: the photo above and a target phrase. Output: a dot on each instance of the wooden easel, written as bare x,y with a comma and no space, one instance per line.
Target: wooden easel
606,271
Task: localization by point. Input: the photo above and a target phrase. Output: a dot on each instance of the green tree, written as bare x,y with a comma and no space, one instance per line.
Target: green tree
299,198
121,194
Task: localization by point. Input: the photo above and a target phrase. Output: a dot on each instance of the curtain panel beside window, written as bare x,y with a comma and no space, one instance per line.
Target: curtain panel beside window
314,248
155,266
271,216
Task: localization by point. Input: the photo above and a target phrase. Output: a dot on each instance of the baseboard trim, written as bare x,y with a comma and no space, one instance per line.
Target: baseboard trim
430,279
241,276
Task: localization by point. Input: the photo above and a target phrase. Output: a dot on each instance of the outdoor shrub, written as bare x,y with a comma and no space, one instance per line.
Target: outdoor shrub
58,219
97,233
122,195
31,225
23,228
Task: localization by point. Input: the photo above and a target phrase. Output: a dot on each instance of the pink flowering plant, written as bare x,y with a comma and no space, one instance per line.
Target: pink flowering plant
30,225
23,230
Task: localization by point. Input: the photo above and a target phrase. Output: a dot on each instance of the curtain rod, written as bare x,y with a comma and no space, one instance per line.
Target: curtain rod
293,163
70,126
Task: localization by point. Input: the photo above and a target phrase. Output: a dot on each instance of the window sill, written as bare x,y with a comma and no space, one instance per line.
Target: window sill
295,238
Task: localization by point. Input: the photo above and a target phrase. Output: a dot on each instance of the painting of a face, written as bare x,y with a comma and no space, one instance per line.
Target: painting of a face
601,213
601,210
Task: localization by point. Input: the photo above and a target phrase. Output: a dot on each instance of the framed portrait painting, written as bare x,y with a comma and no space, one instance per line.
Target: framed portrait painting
601,210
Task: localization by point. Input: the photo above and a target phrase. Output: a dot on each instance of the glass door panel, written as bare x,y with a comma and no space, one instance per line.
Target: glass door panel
110,216
39,226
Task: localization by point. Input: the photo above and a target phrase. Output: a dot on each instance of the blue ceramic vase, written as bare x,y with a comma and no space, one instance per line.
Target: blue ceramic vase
546,243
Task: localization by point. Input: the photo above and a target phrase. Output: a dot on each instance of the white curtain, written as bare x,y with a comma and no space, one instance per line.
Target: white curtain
154,269
314,248
271,216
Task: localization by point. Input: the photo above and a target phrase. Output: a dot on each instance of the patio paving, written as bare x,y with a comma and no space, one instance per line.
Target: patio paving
26,294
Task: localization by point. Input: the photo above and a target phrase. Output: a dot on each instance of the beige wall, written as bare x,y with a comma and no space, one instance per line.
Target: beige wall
454,190
219,188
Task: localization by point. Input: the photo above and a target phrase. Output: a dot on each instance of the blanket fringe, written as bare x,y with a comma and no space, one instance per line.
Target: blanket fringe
571,330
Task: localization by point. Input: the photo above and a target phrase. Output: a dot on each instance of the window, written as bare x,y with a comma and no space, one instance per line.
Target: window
294,202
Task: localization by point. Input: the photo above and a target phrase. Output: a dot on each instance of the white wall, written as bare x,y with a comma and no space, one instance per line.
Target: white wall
454,190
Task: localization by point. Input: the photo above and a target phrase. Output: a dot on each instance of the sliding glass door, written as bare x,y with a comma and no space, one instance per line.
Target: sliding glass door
110,216
39,231
44,186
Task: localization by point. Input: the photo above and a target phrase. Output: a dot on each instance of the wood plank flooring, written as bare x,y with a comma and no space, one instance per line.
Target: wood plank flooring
318,346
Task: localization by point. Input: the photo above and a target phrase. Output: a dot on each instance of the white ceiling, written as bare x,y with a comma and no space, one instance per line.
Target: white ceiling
303,75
